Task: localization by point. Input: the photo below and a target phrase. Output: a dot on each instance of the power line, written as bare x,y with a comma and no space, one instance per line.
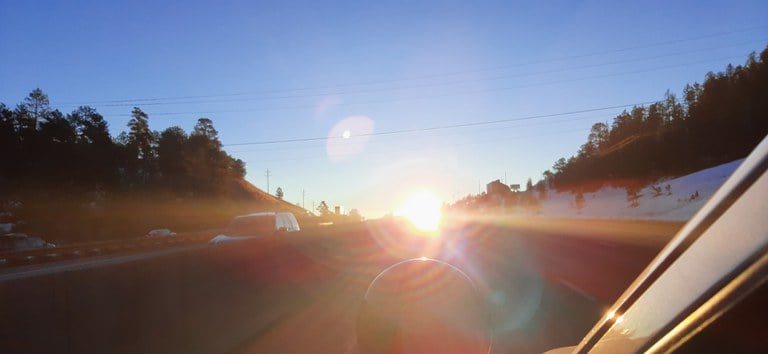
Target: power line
442,127
428,85
420,147
373,82
318,146
458,93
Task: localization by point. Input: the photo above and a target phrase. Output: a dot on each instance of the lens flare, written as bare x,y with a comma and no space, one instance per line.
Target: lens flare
423,210
423,306
349,138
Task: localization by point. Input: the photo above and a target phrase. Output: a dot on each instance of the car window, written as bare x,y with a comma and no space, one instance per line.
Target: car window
293,222
281,221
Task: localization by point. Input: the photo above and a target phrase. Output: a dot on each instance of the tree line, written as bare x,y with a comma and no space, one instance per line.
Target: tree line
718,121
41,147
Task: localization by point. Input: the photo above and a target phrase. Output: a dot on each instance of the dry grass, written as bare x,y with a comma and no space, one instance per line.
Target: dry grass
71,219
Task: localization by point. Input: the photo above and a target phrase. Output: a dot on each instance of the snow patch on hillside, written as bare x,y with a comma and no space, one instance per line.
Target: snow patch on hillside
679,201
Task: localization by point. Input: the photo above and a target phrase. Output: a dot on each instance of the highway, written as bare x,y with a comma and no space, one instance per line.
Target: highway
544,289
543,282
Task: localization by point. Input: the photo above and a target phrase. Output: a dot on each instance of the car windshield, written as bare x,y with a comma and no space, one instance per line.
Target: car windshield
357,176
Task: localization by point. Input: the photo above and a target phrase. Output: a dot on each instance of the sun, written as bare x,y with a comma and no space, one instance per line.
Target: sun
423,210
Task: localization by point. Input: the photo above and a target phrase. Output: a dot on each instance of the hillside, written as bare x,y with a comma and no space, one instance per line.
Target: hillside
72,217
684,197
719,120
268,201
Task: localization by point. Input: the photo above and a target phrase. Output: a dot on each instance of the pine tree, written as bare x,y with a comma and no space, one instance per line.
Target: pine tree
139,134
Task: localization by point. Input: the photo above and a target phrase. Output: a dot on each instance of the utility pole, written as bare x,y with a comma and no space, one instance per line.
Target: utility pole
303,194
267,174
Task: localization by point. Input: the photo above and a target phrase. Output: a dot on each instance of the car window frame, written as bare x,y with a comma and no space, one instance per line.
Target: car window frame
721,295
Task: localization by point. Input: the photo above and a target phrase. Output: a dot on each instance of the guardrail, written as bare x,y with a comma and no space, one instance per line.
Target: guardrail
94,249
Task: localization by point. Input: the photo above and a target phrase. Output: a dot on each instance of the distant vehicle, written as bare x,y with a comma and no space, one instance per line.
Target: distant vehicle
258,225
160,233
21,242
6,227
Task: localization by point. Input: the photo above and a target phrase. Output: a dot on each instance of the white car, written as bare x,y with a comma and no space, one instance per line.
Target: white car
6,227
160,233
22,242
258,225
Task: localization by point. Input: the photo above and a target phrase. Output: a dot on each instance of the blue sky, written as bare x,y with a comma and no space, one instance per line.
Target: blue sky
282,70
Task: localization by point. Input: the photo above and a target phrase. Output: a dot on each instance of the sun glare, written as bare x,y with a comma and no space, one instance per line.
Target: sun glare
423,211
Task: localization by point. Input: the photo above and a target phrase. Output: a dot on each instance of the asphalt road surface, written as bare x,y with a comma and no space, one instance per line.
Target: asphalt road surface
542,283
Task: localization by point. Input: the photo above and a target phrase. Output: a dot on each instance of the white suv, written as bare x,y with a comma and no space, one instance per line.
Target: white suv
258,225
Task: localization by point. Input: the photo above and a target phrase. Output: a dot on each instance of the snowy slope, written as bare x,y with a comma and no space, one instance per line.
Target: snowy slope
680,203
